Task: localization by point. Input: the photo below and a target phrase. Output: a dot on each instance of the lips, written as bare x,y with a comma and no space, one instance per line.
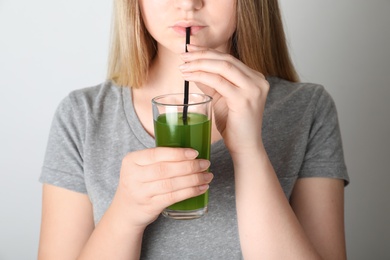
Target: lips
180,27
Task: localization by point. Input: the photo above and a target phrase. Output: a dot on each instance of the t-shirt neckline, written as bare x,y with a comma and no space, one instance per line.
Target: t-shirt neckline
133,120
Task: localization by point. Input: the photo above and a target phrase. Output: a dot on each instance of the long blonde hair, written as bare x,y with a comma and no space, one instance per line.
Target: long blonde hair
259,41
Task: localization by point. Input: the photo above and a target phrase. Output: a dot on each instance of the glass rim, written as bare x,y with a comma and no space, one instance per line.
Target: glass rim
155,99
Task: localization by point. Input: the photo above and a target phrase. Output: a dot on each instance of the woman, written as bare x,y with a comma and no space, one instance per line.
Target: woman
277,161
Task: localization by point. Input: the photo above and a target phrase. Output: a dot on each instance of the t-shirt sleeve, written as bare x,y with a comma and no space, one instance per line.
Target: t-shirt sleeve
63,163
324,153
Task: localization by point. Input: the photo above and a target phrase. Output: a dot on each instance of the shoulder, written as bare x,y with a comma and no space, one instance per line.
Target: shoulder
92,100
281,89
101,94
301,127
297,95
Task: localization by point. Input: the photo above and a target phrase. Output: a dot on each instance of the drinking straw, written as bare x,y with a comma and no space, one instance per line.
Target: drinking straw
186,85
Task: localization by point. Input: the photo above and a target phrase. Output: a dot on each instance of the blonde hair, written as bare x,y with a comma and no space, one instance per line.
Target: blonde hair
259,41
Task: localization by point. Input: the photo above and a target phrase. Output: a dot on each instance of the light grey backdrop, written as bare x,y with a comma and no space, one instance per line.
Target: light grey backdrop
48,48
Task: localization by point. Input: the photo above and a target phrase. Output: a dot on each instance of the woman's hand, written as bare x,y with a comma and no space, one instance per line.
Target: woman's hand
153,179
239,94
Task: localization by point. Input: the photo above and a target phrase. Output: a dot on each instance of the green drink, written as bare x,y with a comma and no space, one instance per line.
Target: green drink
195,134
172,131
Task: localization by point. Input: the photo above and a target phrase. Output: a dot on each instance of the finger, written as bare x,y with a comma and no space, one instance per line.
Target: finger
215,81
202,53
170,198
170,185
222,75
229,67
166,170
225,78
159,154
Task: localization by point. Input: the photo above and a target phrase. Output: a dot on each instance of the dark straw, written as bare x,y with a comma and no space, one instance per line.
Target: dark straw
186,85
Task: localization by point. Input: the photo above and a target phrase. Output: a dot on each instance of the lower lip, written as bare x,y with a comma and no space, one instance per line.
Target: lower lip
182,30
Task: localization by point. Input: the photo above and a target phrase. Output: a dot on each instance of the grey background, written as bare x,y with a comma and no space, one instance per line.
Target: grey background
48,48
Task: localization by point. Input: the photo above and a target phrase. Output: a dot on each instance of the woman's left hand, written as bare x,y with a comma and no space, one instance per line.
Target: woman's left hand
239,95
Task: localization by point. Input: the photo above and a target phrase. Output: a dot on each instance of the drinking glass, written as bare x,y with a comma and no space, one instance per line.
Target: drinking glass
184,125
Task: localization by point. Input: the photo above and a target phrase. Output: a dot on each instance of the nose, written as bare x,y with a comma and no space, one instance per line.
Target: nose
189,5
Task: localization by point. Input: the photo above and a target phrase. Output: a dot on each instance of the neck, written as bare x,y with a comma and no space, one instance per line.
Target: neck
164,75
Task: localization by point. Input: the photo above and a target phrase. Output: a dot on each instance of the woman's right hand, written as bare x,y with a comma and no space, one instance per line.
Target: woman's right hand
155,178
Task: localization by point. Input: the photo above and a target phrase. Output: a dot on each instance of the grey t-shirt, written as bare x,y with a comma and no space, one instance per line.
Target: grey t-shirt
94,128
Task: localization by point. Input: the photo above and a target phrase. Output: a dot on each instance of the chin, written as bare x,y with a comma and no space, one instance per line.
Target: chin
174,48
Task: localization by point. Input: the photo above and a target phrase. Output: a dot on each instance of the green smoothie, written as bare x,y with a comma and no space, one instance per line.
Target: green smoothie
171,132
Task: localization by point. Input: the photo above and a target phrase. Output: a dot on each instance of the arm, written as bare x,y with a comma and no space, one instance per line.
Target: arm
268,226
312,228
67,223
68,228
317,201
150,180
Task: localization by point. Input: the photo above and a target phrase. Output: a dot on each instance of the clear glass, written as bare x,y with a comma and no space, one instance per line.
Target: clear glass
179,125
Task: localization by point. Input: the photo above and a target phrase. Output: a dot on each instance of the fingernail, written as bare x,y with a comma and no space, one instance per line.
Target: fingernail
186,74
183,66
204,164
190,153
203,187
185,55
208,176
